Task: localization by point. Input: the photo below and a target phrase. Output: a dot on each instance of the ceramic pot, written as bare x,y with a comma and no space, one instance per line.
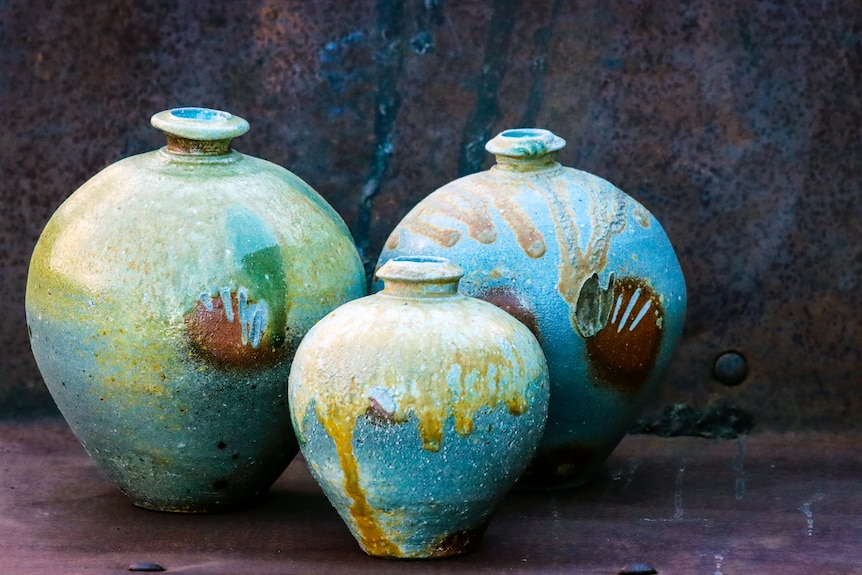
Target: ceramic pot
582,264
165,300
417,409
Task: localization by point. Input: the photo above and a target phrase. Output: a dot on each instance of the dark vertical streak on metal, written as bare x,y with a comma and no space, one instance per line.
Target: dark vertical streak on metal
487,108
389,58
542,40
429,17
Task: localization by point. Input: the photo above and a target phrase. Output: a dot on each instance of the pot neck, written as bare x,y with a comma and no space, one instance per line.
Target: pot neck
525,150
420,277
199,132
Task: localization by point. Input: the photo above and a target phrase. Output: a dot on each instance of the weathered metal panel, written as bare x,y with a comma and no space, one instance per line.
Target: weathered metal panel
735,123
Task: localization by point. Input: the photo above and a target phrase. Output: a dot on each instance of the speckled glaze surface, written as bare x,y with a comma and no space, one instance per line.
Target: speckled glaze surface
417,408
587,268
165,300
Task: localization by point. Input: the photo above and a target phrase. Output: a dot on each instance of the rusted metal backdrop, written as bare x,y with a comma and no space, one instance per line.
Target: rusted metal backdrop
736,123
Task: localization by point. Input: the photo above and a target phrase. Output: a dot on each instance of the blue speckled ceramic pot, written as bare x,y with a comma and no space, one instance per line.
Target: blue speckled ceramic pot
417,409
165,300
582,264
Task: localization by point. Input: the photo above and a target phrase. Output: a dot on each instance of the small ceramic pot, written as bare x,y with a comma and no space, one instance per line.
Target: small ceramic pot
582,264
165,300
417,409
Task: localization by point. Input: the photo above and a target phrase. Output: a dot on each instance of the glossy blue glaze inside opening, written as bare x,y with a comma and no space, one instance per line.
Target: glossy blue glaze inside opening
203,114
421,259
522,133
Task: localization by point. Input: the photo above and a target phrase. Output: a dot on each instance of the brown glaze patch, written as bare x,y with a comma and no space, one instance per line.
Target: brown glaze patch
460,542
507,300
376,414
623,353
219,341
565,466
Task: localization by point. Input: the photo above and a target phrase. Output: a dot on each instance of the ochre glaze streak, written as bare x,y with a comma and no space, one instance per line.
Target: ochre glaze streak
372,538
392,240
469,204
608,209
446,237
527,235
468,208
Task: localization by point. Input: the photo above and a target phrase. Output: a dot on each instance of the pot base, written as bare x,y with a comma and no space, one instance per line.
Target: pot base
452,545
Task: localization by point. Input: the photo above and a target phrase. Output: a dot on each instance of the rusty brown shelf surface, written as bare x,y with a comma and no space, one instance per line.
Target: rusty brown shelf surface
768,503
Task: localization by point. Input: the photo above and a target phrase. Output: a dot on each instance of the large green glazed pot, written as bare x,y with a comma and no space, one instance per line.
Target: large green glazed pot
165,300
417,409
585,266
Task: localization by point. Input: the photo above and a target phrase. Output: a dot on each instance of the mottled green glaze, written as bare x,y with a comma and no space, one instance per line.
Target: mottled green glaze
165,301
417,409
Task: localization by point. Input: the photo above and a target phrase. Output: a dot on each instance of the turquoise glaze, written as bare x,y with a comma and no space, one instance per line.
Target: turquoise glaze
165,300
582,264
417,409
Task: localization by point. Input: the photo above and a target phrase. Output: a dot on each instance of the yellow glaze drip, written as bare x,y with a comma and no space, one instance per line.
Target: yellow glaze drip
372,537
440,371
